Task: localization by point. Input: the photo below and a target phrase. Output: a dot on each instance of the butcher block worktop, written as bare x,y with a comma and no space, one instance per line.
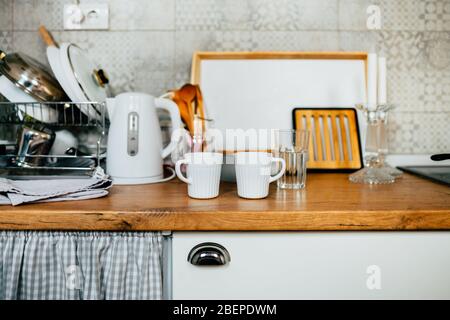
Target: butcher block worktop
330,202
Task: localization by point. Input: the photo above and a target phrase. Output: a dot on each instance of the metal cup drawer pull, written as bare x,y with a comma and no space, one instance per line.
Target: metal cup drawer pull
209,254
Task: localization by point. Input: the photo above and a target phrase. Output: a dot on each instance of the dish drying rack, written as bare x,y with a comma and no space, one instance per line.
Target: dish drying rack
87,121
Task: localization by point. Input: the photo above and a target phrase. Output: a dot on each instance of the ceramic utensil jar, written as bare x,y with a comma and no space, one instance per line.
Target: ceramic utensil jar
202,174
253,173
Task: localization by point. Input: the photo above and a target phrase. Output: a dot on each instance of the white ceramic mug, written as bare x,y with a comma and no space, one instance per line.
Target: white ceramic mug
253,173
202,174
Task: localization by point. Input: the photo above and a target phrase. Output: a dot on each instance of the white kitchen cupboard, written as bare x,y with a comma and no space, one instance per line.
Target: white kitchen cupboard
316,265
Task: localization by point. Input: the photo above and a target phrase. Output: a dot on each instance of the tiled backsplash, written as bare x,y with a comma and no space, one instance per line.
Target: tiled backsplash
150,44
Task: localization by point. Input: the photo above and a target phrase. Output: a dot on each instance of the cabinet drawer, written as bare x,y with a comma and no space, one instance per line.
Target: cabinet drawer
316,265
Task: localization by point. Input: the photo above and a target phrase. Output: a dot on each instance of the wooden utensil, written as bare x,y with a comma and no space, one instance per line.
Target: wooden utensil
184,111
190,103
47,37
187,94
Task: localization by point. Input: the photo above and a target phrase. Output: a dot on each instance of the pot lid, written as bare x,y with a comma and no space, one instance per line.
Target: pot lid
31,76
91,80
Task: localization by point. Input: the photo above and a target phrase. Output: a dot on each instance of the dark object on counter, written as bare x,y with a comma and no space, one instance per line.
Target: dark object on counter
32,143
440,174
31,76
440,157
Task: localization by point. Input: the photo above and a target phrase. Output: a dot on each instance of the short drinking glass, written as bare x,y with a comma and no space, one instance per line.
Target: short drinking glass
292,146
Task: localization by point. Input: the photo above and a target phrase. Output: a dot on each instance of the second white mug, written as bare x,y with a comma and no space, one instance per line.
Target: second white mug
253,171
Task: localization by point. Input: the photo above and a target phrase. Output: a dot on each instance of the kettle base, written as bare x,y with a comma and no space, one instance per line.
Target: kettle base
131,181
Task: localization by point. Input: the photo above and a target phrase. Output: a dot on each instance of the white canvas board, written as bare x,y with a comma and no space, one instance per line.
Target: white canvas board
261,93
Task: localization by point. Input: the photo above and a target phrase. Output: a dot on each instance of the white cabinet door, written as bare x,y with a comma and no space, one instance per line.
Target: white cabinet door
316,265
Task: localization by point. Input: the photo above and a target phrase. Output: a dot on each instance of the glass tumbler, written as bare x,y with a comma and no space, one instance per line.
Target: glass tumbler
292,146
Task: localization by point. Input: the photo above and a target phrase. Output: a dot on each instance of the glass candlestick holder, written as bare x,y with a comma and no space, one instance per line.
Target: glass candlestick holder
383,143
376,170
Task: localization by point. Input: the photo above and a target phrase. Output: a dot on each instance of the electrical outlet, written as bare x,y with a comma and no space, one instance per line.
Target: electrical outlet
86,16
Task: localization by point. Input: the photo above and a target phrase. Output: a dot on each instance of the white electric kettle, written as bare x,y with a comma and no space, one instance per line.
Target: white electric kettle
135,152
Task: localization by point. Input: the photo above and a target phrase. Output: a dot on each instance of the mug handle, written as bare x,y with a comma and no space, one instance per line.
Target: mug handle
178,170
279,174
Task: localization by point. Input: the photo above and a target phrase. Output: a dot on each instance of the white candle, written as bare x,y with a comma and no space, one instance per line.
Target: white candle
372,81
382,83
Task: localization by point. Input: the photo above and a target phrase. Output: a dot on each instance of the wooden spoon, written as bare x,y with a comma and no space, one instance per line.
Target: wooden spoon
187,94
184,111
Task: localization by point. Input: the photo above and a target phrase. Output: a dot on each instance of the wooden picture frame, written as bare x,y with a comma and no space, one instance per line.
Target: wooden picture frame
201,61
200,56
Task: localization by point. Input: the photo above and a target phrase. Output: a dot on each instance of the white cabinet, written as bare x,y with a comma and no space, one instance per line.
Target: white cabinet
316,265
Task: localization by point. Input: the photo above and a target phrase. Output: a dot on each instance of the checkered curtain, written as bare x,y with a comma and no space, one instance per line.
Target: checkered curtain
80,266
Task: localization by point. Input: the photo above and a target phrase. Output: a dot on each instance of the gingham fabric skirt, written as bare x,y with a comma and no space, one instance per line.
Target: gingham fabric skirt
79,265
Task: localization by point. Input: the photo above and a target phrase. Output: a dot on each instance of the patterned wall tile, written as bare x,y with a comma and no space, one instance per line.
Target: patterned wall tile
437,49
197,15
142,14
358,41
278,15
233,41
404,50
436,95
187,42
6,14
29,14
418,70
6,41
203,15
284,15
235,15
413,15
403,14
317,14
437,71
124,15
406,89
419,132
353,15
437,15
31,44
297,40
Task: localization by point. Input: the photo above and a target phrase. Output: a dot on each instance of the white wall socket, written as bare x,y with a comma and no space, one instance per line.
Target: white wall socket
86,16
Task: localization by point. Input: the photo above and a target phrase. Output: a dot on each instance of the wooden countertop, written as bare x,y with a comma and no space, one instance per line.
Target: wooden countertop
330,202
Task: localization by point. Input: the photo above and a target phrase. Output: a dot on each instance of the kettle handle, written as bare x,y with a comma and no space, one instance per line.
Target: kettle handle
172,108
